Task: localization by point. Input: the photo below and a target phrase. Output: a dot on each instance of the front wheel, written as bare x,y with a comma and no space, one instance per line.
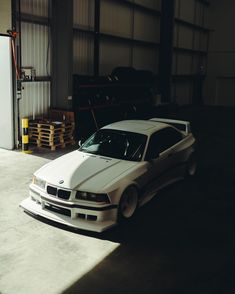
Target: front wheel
127,204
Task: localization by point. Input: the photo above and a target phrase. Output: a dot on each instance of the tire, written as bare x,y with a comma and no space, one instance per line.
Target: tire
128,204
191,167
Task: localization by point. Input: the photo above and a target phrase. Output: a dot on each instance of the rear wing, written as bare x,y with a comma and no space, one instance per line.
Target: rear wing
179,124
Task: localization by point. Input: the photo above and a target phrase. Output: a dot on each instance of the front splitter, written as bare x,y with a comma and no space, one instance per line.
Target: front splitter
35,209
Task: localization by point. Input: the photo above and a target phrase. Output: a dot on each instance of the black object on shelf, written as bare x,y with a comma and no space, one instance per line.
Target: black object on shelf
100,100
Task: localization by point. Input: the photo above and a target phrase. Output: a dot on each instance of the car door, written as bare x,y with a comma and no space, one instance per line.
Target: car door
161,157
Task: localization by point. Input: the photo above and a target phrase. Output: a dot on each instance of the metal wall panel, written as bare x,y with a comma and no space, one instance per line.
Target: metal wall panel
147,27
113,54
201,41
83,53
120,20
185,10
199,19
35,7
83,13
189,63
35,52
36,48
145,58
177,5
183,92
182,64
198,61
154,4
176,35
185,35
204,41
5,16
174,63
116,18
225,91
35,99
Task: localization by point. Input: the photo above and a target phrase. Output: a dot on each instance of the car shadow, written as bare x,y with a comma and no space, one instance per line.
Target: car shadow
180,242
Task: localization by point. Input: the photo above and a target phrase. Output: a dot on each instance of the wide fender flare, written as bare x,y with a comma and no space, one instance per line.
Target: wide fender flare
117,193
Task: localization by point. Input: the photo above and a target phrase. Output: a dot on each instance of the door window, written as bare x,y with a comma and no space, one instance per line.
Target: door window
161,141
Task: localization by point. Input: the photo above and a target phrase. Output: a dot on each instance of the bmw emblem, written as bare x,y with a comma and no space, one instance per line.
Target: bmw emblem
61,182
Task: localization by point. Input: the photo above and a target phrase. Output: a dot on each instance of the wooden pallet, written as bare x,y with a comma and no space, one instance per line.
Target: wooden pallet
49,134
53,147
50,137
50,126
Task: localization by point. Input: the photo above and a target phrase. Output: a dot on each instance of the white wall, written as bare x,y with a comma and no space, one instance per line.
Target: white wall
6,97
5,16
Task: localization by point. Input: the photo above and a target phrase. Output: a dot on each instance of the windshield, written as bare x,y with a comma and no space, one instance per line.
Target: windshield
116,144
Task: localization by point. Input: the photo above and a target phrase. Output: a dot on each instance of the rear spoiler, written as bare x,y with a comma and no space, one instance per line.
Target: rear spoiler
179,124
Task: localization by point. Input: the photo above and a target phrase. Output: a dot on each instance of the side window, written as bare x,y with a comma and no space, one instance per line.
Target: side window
161,141
172,136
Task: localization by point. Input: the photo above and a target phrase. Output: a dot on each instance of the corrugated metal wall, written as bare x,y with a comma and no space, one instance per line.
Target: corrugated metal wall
34,46
35,100
83,13
35,51
83,53
120,20
189,63
35,7
83,44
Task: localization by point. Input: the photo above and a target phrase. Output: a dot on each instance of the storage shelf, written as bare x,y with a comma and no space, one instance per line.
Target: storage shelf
114,85
38,79
125,102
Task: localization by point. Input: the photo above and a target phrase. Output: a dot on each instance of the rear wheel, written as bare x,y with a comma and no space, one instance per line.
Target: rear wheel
128,204
191,165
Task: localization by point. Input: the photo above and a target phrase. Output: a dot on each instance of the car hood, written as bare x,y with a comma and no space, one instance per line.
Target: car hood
87,172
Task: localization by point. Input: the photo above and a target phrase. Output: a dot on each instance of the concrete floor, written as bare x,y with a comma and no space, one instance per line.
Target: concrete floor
180,242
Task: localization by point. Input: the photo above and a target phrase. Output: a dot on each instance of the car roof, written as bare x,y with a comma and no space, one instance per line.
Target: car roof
146,127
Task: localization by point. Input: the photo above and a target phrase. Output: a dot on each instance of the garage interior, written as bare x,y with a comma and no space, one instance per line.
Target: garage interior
98,61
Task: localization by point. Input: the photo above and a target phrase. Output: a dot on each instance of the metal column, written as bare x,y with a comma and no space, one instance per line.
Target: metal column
62,53
97,38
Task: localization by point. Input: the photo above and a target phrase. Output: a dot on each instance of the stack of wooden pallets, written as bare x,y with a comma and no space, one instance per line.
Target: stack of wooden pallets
51,134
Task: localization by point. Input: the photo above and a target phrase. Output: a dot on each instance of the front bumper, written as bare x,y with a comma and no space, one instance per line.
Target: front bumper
96,218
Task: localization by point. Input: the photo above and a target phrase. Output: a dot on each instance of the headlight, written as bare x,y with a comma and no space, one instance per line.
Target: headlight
38,182
92,197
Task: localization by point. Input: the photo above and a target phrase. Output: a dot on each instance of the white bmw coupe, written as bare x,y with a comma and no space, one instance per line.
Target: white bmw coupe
117,170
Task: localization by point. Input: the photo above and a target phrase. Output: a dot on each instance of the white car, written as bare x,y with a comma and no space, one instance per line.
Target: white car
117,170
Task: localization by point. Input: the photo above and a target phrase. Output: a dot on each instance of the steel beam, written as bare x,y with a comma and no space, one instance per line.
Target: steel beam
97,38
62,53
